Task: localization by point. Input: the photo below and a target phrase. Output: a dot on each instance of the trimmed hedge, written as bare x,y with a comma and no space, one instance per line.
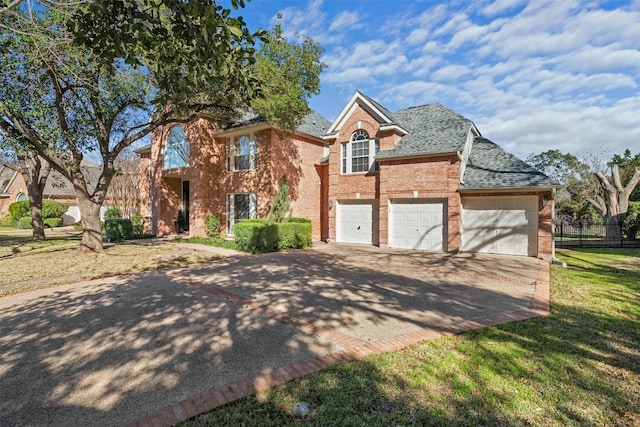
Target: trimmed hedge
50,209
25,222
118,229
53,222
259,235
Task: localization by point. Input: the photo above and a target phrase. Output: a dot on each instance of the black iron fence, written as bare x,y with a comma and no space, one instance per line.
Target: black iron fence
584,235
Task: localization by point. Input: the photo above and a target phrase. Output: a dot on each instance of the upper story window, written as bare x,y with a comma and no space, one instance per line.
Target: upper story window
176,153
359,153
242,152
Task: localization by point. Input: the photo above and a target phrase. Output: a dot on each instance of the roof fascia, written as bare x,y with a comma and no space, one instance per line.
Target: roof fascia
507,189
417,156
358,99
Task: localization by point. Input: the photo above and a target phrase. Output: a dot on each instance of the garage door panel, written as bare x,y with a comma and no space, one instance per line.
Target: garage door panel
505,225
417,225
355,222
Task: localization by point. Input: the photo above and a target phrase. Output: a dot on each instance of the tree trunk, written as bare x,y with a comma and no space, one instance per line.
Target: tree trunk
37,223
614,226
91,225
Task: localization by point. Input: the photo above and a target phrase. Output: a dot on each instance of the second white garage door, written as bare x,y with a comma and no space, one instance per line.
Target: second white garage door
417,224
500,225
356,222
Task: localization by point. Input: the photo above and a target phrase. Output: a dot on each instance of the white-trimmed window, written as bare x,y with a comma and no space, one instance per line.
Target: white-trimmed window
240,206
176,152
21,197
242,152
359,153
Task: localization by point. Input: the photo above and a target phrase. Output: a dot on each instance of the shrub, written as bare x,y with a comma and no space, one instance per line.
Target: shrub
52,222
25,222
294,234
212,225
19,210
258,235
112,213
137,224
631,224
280,205
117,229
7,221
51,209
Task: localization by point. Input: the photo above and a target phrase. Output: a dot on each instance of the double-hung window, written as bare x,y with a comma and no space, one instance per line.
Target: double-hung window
240,206
176,152
242,152
359,153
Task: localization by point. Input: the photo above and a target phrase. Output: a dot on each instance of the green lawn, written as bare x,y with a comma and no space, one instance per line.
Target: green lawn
580,366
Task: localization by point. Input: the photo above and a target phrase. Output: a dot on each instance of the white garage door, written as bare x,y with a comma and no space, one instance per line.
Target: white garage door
500,225
356,222
417,225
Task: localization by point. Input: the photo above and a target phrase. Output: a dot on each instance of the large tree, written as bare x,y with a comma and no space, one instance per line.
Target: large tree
606,186
113,71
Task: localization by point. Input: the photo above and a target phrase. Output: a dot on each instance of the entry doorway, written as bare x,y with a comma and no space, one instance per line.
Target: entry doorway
185,204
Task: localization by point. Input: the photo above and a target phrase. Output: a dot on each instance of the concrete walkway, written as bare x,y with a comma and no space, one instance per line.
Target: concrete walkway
159,348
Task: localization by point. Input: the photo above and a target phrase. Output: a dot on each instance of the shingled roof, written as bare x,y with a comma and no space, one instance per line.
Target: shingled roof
312,124
491,167
433,129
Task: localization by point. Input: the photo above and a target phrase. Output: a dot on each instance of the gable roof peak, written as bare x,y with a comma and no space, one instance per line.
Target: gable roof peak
373,107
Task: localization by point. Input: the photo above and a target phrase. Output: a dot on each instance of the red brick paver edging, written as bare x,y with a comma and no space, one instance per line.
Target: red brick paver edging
356,350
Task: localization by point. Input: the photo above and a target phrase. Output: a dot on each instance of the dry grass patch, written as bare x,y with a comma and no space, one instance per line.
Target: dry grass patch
28,265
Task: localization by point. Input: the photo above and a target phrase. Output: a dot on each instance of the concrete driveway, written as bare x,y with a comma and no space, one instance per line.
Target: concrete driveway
161,347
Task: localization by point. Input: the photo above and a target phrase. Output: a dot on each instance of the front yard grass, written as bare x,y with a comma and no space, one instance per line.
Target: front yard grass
26,265
579,367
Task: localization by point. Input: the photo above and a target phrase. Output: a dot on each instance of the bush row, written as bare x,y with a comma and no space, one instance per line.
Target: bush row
26,222
50,209
259,235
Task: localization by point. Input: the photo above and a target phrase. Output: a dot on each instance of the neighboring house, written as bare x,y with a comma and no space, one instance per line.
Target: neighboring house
58,189
422,178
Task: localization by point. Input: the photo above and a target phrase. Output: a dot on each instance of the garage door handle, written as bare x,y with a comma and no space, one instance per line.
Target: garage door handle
358,227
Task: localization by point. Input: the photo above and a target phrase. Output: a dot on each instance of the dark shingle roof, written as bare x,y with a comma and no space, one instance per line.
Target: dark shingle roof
6,175
312,124
490,166
382,109
432,129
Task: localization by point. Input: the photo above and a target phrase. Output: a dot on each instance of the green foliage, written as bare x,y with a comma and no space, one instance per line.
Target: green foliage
7,221
118,229
256,235
281,202
51,209
627,164
20,209
294,234
631,224
137,223
291,74
112,213
53,222
25,222
259,235
212,225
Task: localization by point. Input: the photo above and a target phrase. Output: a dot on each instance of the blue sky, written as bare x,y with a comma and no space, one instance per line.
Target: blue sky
532,75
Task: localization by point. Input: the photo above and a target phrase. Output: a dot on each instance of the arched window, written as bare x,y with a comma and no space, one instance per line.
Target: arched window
176,153
358,154
21,197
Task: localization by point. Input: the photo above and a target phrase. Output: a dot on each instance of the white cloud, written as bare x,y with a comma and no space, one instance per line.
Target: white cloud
450,73
500,6
346,21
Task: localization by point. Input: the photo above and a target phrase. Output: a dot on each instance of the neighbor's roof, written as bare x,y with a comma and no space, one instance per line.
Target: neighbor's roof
433,129
6,177
492,167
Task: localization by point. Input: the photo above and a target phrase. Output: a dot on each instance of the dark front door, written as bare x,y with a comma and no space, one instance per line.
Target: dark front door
185,204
